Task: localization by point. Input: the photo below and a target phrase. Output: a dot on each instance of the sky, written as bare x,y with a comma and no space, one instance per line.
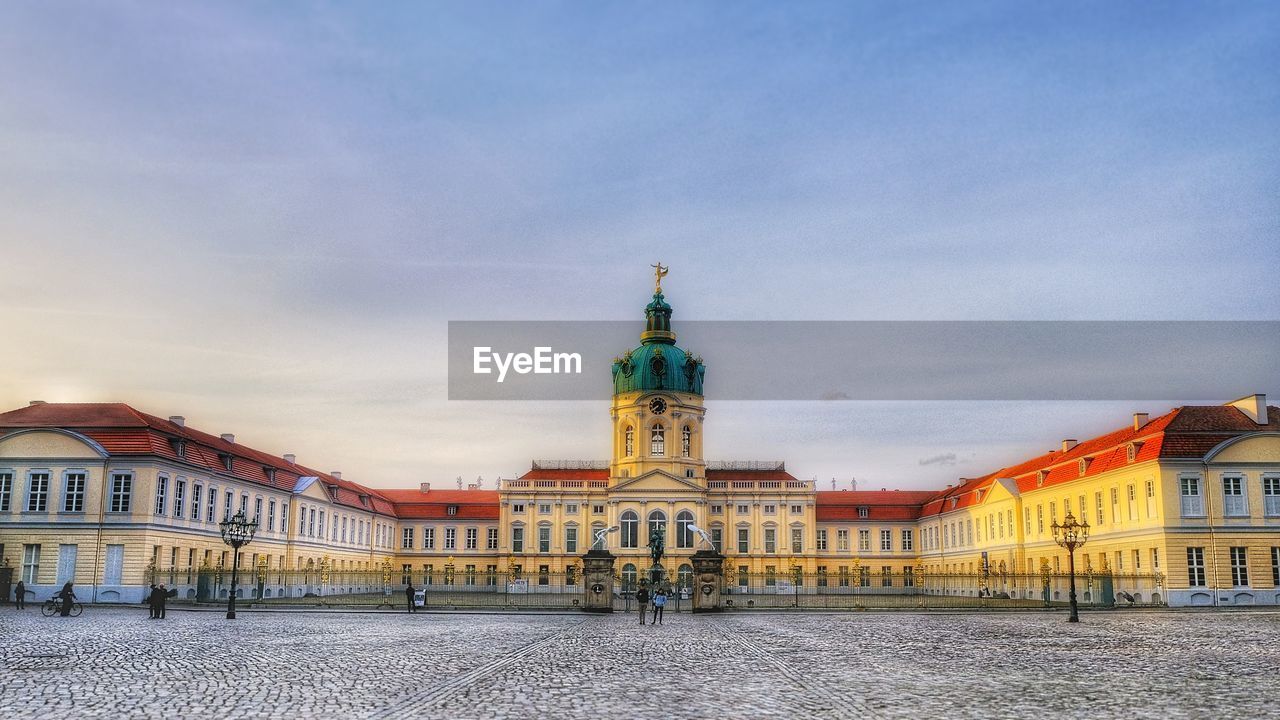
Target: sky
262,216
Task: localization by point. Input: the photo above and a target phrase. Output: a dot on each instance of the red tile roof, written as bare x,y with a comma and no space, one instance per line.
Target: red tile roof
434,504
540,474
843,505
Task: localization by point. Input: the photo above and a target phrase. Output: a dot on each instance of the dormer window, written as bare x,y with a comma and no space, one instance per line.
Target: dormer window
179,447
1131,451
1082,466
864,511
978,495
1040,477
270,472
453,510
953,502
226,461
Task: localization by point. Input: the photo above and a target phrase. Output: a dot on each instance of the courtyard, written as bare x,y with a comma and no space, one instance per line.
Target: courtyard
114,662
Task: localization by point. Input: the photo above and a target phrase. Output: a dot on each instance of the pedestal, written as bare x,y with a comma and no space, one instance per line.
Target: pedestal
597,581
708,569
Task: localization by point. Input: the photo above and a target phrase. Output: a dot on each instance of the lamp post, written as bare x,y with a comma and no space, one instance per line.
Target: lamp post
1071,535
237,531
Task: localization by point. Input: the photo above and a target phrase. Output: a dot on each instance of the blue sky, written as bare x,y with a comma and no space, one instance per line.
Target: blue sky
262,215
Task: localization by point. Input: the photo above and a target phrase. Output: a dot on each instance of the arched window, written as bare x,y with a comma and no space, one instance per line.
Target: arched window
628,577
657,521
684,535
684,576
658,441
685,436
630,527
630,441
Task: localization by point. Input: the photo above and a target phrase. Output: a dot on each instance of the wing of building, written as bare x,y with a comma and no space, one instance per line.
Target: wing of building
1186,504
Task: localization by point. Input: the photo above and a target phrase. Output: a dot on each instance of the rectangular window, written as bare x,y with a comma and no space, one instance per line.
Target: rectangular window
1097,501
742,576
428,538
227,499
517,508
1192,500
1275,566
908,540
6,491
213,502
717,509
406,538
451,538
30,563
770,576
257,511
1239,567
492,539
1040,519
1271,496
320,526
197,491
544,539
179,497
1233,503
544,574
544,508
744,536
864,576
517,540
162,494
797,509
822,539
770,540
886,576
491,575
908,577
822,576
473,539
73,493
469,575
121,492
886,540
842,539
284,515
1195,566
571,539
717,539
244,504
844,576
864,540
597,509
797,540
271,519
744,509
38,492
770,509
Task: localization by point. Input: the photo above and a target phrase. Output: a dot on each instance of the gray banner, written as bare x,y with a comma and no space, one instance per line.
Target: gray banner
892,360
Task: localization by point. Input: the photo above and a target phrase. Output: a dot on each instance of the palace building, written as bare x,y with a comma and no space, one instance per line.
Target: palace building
1184,508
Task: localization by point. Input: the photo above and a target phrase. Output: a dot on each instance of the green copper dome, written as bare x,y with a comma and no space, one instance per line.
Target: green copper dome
658,364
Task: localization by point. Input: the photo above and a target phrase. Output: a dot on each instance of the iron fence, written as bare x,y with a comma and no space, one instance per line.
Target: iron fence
853,588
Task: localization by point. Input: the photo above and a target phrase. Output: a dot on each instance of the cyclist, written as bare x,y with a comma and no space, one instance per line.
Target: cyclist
67,595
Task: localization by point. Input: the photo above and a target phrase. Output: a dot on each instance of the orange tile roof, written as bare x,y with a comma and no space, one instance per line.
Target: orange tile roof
843,505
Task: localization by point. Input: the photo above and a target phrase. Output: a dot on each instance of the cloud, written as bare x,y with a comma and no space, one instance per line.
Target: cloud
943,459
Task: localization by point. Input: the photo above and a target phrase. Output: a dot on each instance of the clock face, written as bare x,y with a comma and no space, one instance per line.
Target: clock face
657,406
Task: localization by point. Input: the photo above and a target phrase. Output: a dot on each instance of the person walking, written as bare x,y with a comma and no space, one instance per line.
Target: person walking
659,602
68,595
408,596
153,601
642,599
161,601
20,595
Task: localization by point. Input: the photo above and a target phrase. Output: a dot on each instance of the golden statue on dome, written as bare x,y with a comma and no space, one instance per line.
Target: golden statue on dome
659,272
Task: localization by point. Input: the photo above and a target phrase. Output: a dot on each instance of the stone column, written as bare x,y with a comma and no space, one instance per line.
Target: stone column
708,571
597,581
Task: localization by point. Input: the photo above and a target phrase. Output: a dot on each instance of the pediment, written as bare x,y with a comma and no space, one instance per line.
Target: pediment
657,481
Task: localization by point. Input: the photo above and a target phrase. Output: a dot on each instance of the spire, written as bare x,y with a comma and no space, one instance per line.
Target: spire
657,313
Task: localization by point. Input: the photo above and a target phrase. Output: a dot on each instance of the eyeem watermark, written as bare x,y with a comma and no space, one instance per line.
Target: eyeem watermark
542,361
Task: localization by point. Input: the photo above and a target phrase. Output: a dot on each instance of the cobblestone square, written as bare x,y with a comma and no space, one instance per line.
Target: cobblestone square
114,662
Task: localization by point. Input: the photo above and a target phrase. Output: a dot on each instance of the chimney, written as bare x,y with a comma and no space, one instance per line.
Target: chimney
1139,419
1255,406
1068,444
35,402
424,487
290,458
228,437
178,420
472,486
337,474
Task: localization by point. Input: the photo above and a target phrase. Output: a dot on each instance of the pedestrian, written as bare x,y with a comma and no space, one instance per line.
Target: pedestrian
408,594
67,594
642,599
162,599
153,601
659,602
20,595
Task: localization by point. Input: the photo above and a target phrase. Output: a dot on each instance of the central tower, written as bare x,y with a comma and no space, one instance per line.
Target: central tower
657,406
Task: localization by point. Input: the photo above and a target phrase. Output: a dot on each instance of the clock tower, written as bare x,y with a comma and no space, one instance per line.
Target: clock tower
657,402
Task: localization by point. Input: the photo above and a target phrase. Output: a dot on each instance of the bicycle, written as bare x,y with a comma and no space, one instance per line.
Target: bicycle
53,606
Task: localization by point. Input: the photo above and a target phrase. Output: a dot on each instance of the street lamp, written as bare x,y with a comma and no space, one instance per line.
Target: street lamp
237,531
1071,535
